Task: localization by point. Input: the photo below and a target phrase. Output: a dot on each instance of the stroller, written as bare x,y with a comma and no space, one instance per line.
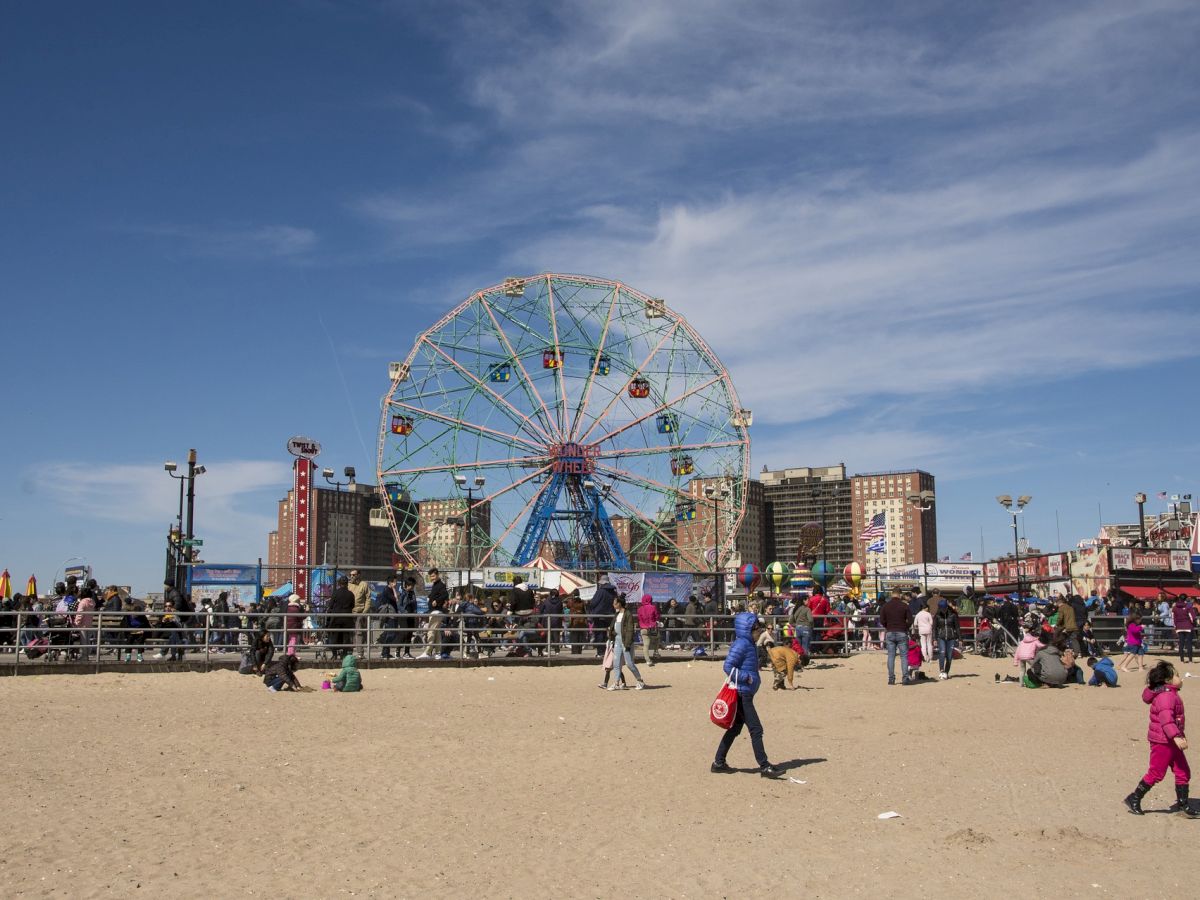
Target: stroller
60,638
990,641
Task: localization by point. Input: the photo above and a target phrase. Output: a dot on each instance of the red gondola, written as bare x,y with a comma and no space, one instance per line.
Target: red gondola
639,387
682,465
402,424
551,359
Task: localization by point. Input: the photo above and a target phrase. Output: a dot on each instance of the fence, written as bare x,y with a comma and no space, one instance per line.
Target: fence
219,640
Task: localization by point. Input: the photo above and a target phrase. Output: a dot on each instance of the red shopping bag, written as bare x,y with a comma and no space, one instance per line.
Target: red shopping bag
724,707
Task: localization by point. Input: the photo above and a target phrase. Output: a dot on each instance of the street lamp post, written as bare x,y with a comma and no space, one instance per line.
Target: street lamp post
183,542
923,502
175,545
479,482
1014,509
716,496
1140,499
349,474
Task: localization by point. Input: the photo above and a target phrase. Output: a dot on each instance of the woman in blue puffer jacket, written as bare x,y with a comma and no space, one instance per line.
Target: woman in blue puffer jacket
744,658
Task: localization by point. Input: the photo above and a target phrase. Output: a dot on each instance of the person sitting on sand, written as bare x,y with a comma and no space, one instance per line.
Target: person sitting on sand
1104,673
264,649
347,680
281,675
1054,666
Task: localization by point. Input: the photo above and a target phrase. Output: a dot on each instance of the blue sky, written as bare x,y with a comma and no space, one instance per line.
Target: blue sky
955,236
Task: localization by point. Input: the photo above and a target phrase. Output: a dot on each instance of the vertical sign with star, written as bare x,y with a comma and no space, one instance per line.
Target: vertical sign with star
302,475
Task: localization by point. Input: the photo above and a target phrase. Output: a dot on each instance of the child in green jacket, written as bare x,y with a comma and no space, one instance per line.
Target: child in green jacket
348,680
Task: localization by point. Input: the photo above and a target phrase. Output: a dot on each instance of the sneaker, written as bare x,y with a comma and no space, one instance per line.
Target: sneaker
602,686
616,687
641,686
273,689
770,771
720,768
942,676
425,656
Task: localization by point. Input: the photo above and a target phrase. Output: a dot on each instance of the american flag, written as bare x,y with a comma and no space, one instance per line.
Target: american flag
876,528
966,557
1162,495
879,546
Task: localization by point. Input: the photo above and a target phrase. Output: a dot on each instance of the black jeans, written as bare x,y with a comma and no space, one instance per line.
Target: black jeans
748,716
1185,645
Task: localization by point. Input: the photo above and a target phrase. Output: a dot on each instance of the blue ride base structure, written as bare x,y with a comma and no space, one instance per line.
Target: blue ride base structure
570,486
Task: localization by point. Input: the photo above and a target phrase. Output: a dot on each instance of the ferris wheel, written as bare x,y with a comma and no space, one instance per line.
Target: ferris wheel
567,417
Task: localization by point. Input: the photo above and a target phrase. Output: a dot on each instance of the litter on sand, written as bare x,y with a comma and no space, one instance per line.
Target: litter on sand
888,815
796,781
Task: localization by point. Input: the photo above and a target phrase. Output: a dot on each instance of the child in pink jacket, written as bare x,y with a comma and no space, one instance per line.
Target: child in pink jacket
1167,740
1026,651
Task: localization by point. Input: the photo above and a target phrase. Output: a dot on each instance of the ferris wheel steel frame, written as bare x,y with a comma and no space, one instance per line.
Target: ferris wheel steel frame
470,397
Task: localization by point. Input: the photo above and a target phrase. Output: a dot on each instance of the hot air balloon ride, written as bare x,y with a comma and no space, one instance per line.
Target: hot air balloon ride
777,576
749,576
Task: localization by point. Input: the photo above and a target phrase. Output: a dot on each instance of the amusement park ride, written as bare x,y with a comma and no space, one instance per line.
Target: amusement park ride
590,407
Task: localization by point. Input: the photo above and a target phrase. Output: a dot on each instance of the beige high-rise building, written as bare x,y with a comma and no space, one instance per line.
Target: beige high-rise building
910,533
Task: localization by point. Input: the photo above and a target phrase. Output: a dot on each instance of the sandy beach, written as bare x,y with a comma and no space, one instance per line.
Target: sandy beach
531,782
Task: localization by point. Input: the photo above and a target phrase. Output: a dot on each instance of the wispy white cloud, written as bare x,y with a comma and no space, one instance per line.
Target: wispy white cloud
918,201
232,505
1017,275
237,242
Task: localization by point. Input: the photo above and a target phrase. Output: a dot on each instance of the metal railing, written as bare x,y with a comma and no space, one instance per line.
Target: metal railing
100,640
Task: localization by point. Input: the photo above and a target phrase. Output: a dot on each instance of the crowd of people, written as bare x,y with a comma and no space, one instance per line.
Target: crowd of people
918,629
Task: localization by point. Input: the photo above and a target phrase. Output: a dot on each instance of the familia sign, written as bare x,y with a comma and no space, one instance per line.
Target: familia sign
1131,559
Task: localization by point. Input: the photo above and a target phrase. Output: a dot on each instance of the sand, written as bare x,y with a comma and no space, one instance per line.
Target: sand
531,782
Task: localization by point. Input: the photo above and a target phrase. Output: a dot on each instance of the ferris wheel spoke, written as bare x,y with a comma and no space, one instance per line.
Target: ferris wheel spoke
452,467
515,414
634,512
511,525
625,387
491,433
560,408
581,408
663,406
668,448
633,478
516,484
531,391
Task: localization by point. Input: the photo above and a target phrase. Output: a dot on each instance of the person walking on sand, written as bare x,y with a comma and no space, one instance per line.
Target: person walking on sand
1135,644
946,627
648,622
1167,740
1183,620
923,621
620,632
896,620
743,659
